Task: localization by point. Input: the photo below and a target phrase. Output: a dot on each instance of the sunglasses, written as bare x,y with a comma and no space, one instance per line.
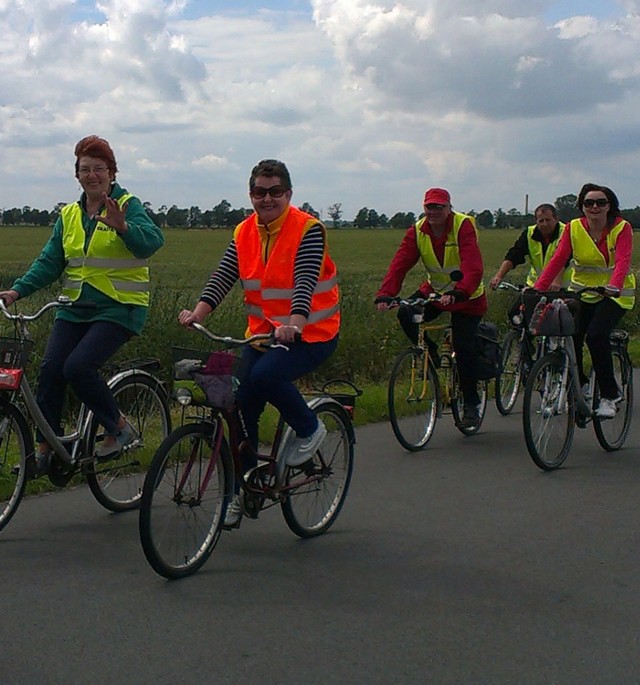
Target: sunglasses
434,207
600,202
259,192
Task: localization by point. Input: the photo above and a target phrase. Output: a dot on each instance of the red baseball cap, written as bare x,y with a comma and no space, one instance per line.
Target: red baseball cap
437,196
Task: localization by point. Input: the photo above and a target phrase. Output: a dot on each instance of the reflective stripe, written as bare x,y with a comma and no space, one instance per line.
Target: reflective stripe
122,286
594,269
250,284
287,293
108,263
313,317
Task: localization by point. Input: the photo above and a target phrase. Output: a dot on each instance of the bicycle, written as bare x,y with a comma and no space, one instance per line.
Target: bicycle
115,484
417,394
191,479
519,352
554,401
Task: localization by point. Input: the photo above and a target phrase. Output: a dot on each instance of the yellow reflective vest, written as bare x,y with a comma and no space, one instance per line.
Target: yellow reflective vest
538,260
590,267
438,274
108,265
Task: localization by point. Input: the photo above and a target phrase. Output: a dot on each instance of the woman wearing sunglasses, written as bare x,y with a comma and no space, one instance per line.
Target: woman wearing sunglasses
601,244
280,256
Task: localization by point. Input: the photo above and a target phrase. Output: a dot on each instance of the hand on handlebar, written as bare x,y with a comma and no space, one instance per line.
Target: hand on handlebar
187,318
611,291
9,297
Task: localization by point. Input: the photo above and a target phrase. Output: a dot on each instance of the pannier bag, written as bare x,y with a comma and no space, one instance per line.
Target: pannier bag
488,361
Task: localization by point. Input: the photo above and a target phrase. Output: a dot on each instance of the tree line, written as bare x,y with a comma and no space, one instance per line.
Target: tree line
223,215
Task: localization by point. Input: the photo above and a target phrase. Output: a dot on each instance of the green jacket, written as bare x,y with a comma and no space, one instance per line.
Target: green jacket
143,239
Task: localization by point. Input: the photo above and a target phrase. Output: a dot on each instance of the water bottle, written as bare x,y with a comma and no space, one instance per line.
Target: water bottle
446,351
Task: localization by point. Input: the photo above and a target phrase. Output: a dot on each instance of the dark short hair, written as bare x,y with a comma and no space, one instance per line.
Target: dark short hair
94,146
546,207
614,205
269,168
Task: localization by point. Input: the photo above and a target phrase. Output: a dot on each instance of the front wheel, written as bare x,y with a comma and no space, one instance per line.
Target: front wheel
413,399
316,490
612,433
117,484
184,499
509,379
549,412
16,443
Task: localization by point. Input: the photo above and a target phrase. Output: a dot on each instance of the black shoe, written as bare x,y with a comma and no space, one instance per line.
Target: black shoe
37,465
470,417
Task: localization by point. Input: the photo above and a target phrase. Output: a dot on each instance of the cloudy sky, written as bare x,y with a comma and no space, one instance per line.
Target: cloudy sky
368,102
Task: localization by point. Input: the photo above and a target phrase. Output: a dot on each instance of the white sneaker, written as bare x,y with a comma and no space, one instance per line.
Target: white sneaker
234,513
606,409
302,449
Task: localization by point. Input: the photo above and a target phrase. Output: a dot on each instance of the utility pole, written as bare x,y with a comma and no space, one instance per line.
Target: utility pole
526,204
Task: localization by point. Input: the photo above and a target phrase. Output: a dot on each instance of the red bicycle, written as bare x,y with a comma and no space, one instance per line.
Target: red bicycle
191,479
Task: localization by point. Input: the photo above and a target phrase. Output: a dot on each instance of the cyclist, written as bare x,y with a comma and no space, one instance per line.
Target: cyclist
281,258
444,241
102,245
536,243
601,244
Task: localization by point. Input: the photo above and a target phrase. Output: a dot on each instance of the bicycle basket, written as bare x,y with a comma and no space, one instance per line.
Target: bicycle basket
14,353
550,313
208,377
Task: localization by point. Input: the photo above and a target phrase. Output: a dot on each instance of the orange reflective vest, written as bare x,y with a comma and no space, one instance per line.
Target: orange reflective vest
268,285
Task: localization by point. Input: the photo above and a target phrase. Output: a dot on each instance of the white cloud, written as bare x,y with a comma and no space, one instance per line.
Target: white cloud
368,102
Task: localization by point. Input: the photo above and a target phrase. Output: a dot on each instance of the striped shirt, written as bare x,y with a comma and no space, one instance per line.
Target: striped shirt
306,271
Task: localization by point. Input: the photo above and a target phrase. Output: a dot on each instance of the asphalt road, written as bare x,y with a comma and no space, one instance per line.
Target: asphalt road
460,564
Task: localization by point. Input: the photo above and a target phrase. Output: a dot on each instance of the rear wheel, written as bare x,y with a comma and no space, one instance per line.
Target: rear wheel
612,433
184,500
509,379
317,489
549,412
16,443
413,398
117,484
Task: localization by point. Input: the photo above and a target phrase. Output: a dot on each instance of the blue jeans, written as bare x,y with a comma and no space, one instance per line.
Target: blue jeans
75,352
268,377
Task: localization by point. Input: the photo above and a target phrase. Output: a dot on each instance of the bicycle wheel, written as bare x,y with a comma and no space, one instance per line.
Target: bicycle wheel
319,487
117,484
509,379
457,403
548,412
612,433
413,399
184,501
16,443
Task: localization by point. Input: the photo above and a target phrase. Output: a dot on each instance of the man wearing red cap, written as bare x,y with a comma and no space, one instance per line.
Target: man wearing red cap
445,241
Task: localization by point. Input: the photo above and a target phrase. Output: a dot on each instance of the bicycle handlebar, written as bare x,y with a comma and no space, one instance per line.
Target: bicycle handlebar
394,302
267,339
505,285
61,301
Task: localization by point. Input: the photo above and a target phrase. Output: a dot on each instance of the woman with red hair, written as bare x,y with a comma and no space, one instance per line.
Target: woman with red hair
101,245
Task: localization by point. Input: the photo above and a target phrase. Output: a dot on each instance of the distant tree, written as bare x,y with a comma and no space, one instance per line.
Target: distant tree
362,217
335,213
485,219
500,218
373,218
632,216
567,207
221,213
194,217
402,220
235,216
177,218
306,207
383,220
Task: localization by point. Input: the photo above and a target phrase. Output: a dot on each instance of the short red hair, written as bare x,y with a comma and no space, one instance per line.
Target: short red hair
94,146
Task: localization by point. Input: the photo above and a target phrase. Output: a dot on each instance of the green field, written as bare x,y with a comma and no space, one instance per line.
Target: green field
369,339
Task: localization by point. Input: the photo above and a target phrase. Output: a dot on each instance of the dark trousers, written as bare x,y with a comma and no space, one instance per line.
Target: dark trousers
465,329
594,324
268,377
75,352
